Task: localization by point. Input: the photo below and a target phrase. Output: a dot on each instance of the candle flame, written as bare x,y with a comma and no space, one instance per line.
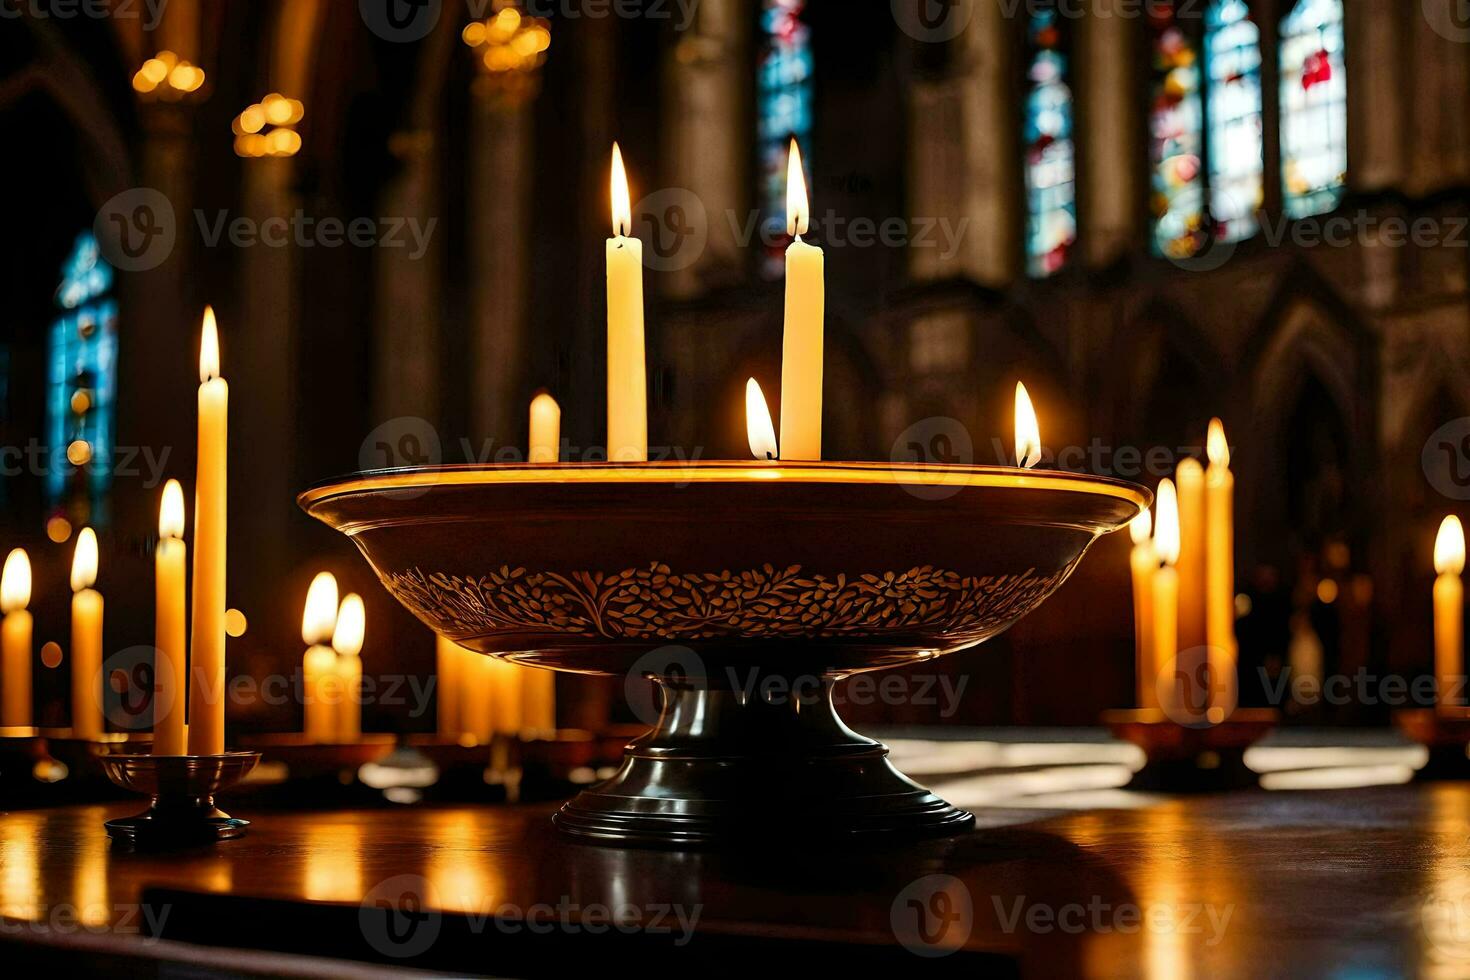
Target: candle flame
15,582
320,617
622,203
758,428
209,348
1166,523
351,625
1449,547
1217,446
1028,431
798,205
84,561
171,511
1141,527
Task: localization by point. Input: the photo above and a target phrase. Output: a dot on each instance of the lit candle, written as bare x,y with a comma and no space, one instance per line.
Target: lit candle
1220,567
1189,481
1449,612
476,679
86,639
207,639
1028,430
15,640
449,682
1144,562
759,431
319,665
806,313
170,691
627,386
347,639
545,429
1166,591
505,696
538,701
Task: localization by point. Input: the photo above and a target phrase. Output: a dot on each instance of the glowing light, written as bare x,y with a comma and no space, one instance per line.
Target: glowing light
1028,431
1141,527
167,76
1166,523
51,654
208,347
1327,591
320,617
84,561
759,431
58,529
79,452
1449,547
1217,447
351,625
277,110
798,202
235,623
81,401
171,511
15,582
622,205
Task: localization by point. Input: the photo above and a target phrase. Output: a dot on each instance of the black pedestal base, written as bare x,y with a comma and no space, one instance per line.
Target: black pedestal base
176,826
724,767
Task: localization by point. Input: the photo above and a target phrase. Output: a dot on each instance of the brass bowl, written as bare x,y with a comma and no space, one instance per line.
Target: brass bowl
748,570
181,789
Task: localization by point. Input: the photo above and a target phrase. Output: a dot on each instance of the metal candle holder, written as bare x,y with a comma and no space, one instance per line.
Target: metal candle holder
744,590
182,790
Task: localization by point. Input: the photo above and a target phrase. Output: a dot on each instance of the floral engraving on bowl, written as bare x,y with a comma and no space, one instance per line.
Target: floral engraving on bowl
656,603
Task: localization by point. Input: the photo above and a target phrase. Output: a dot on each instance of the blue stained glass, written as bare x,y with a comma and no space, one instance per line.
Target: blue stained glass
1237,160
1176,138
1313,108
82,386
785,94
1051,173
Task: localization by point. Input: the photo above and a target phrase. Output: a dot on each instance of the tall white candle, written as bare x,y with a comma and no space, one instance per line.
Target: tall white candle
545,429
1449,612
347,640
627,384
806,313
207,638
86,639
319,665
1220,570
170,686
1166,597
1144,563
15,640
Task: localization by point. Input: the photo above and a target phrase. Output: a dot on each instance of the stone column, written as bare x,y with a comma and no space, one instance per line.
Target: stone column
1440,76
989,116
1376,102
1109,136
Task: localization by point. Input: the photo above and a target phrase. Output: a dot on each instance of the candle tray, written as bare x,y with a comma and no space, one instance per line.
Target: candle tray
1207,757
744,592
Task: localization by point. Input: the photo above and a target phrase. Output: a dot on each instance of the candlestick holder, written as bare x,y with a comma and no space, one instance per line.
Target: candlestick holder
744,591
181,789
1207,757
1445,732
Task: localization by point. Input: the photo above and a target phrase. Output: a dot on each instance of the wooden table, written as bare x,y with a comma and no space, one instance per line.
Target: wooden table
1248,884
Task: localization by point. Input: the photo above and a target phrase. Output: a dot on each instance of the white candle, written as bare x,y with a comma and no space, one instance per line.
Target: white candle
1144,563
1220,569
806,313
86,639
449,682
207,639
170,690
347,640
1166,595
319,665
1194,655
15,640
1449,611
627,385
545,429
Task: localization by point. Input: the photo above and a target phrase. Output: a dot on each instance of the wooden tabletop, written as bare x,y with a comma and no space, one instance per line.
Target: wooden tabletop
1375,882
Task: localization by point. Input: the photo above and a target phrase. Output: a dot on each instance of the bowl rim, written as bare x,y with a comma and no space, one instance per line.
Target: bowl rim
683,472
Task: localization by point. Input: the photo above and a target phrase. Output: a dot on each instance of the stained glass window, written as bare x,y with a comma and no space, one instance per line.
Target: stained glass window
1313,108
1176,135
1237,160
1051,173
82,381
785,111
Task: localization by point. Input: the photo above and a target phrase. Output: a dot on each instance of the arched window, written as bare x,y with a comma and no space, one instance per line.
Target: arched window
1176,132
784,111
1051,170
1313,108
1237,160
81,386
